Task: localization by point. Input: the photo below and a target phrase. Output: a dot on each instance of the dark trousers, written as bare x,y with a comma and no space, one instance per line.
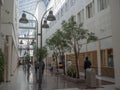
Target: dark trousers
85,73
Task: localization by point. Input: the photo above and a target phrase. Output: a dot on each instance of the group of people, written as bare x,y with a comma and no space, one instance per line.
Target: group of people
87,65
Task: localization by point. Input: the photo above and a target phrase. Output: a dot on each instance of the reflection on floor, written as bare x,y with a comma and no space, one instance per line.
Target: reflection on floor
23,81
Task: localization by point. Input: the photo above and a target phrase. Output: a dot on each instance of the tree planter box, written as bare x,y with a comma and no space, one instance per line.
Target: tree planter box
76,80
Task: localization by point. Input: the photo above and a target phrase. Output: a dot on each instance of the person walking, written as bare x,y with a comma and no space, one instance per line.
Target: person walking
36,67
43,67
87,64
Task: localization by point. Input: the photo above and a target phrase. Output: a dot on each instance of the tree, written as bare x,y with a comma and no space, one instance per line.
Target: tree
58,45
52,43
74,36
42,52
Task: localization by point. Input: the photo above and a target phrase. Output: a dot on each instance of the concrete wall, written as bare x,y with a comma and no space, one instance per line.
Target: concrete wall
1,34
115,12
9,28
100,23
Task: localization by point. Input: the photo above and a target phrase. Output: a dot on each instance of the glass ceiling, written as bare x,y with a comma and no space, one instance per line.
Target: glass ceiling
27,32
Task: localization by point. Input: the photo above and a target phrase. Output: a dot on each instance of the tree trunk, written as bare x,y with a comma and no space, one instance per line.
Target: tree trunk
56,63
77,68
63,62
76,61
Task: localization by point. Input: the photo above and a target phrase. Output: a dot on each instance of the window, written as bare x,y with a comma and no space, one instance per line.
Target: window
58,16
110,58
90,10
61,12
72,2
66,6
107,58
74,18
102,4
103,58
80,16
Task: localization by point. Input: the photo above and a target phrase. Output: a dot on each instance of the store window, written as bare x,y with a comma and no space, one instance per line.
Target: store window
110,58
107,58
103,58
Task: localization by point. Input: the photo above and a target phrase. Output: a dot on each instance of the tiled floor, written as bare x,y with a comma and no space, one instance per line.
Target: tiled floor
51,81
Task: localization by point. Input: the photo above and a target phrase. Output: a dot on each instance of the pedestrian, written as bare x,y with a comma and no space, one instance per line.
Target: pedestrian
43,67
51,69
87,64
36,67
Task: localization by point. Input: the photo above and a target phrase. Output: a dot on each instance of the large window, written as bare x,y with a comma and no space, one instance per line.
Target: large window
80,16
72,2
66,6
110,58
61,12
102,4
103,58
90,10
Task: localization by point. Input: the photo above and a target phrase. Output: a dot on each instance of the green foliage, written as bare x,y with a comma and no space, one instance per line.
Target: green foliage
27,57
1,66
74,36
35,48
42,52
71,72
71,37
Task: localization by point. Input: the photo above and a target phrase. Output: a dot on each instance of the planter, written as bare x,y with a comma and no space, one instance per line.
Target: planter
76,80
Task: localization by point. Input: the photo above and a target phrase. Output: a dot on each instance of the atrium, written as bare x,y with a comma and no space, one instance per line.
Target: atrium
59,44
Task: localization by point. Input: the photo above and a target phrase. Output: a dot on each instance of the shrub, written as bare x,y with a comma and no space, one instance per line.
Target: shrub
71,71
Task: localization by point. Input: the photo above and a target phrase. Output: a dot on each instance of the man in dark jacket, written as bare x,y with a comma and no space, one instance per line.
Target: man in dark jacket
87,64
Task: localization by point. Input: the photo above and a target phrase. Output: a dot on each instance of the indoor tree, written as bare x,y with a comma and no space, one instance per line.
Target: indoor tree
52,43
74,36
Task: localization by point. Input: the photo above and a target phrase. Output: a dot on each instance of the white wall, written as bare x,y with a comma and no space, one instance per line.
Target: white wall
100,23
9,27
115,12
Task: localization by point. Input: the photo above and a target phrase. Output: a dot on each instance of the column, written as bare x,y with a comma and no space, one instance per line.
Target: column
9,58
99,57
115,18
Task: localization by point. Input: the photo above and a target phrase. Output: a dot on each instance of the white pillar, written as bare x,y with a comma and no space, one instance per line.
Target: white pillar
9,58
99,57
115,16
